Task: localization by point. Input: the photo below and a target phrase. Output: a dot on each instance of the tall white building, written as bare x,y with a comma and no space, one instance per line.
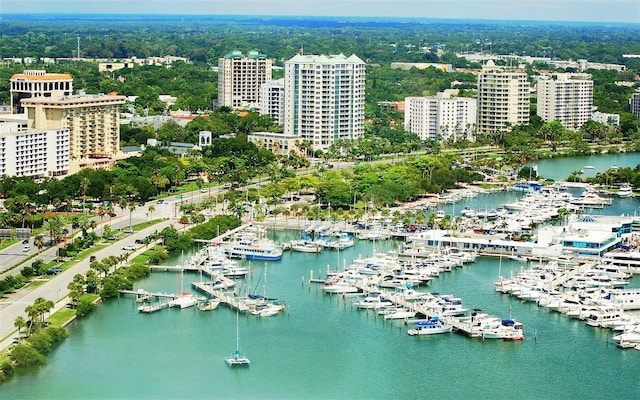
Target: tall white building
567,98
634,104
324,98
240,77
272,100
503,99
38,83
441,116
33,153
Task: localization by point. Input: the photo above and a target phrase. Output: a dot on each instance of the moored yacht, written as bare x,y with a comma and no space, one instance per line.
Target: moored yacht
430,327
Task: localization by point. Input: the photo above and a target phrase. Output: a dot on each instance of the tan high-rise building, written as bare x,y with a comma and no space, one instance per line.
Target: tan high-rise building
38,83
93,122
567,98
503,99
240,77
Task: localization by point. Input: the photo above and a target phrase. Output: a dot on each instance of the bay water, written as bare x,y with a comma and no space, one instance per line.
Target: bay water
323,348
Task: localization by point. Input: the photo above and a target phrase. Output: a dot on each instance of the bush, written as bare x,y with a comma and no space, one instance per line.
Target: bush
6,370
85,306
27,271
42,342
24,355
56,333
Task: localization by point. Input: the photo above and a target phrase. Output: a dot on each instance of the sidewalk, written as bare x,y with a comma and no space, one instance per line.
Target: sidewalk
56,288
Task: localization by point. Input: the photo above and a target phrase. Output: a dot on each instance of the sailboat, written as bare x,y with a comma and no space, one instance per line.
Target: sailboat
264,307
183,299
237,359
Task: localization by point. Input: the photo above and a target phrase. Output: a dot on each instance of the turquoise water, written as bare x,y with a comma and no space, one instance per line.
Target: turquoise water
561,168
322,348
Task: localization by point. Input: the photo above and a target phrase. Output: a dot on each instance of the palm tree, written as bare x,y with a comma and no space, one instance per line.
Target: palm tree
54,227
85,184
19,323
38,241
132,206
151,209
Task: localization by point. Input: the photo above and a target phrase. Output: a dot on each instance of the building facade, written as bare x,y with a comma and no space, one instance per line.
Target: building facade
277,143
324,98
605,118
634,104
240,77
93,122
567,98
33,153
503,99
441,116
38,83
272,100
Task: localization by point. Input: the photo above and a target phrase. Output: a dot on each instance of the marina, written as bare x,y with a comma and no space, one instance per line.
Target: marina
319,331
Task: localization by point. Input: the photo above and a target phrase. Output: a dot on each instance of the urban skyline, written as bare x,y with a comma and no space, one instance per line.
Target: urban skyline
527,10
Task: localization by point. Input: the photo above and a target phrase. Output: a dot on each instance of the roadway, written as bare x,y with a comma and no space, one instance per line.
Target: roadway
55,287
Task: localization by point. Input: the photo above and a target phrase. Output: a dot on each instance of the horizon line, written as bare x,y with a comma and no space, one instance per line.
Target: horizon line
334,17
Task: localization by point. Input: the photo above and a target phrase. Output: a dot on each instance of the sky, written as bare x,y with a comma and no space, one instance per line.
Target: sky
541,10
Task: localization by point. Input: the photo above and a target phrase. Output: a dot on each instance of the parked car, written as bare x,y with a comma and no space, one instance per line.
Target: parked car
227,185
114,237
54,271
128,230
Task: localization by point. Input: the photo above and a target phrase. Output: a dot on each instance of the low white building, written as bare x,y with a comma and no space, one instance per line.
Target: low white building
604,118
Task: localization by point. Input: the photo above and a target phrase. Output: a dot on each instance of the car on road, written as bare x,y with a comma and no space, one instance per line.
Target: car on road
128,230
160,201
54,271
139,241
128,248
227,185
92,258
26,241
204,190
26,248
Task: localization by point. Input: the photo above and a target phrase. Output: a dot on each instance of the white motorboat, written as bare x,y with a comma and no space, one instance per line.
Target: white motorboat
373,301
398,313
234,271
306,246
430,327
209,305
267,309
509,329
629,338
625,190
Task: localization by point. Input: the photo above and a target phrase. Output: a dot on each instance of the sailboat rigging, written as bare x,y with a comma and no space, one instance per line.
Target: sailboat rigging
237,358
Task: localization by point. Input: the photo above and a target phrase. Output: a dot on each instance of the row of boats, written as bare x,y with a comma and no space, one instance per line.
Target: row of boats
591,292
388,284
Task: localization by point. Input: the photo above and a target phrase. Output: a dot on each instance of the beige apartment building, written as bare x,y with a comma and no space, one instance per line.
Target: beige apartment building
503,99
240,77
93,122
